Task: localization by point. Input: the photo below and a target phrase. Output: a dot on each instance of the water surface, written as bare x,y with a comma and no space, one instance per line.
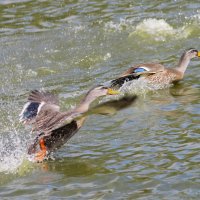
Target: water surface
148,151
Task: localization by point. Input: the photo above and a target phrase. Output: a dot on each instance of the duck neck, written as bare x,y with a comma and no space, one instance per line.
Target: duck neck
183,63
85,103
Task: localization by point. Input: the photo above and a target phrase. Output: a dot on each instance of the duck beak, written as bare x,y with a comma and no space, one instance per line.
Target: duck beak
198,53
112,92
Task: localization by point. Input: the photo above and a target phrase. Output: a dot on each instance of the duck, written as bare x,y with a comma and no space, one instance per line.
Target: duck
54,128
156,74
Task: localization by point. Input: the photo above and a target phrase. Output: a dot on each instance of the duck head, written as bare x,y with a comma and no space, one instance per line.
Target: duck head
192,53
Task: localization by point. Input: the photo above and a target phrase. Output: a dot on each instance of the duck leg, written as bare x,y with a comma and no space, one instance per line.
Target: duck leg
39,157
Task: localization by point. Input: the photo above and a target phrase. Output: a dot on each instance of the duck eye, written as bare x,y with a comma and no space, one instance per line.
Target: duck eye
194,51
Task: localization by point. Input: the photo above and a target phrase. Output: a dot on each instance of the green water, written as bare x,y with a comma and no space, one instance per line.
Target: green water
148,151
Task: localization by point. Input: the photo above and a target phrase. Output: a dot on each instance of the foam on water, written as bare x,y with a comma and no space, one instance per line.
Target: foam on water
151,28
194,18
159,30
140,87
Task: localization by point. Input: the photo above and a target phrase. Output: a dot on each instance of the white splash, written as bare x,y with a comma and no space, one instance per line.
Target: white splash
159,30
194,18
12,152
151,28
141,87
107,56
123,24
13,143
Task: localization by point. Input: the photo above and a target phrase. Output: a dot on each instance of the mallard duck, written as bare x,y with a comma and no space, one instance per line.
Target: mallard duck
55,128
155,73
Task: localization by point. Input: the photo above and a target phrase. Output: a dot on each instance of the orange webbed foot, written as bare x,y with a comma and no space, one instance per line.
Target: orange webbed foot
40,156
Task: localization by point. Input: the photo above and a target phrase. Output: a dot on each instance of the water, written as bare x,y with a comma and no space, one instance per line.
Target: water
148,151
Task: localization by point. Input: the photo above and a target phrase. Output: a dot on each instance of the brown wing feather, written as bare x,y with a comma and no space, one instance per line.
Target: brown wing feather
46,121
48,103
51,120
41,96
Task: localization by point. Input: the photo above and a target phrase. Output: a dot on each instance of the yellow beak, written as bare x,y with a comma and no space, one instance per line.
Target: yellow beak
198,54
112,92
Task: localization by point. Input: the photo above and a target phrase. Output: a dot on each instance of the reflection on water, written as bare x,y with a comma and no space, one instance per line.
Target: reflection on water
148,151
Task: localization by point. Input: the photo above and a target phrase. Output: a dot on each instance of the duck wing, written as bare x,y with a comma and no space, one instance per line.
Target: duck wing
53,120
38,101
109,107
48,120
118,82
54,139
43,96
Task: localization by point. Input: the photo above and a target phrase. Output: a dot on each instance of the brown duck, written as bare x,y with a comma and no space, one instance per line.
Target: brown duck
53,127
155,73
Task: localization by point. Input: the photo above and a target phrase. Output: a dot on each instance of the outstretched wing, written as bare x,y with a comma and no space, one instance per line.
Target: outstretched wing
39,96
38,101
109,107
